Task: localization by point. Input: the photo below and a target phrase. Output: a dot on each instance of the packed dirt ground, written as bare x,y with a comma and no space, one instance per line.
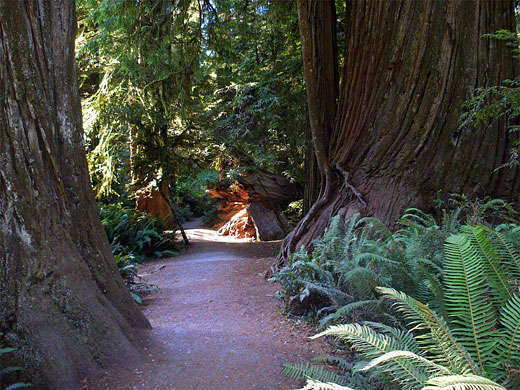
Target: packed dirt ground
216,322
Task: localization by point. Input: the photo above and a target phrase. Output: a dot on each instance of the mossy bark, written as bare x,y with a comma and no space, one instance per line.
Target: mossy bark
409,67
62,300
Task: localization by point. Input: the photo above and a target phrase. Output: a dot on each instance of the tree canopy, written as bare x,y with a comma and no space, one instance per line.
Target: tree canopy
175,88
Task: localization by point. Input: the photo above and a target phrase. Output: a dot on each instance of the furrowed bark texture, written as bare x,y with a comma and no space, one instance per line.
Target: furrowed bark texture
62,300
409,67
312,174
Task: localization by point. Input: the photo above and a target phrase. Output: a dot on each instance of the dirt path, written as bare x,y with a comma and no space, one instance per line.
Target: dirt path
216,323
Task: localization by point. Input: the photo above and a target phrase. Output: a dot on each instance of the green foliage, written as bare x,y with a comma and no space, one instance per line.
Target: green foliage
183,213
495,103
312,371
294,212
191,191
476,345
127,266
347,263
8,373
251,93
137,63
134,236
172,88
338,278
461,382
317,385
333,370
135,233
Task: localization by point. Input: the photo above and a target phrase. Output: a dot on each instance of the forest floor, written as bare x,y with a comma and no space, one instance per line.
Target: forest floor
216,323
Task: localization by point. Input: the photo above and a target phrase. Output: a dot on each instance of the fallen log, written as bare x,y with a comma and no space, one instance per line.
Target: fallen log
263,195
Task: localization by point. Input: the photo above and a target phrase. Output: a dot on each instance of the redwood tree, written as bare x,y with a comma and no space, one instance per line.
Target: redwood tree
62,300
394,139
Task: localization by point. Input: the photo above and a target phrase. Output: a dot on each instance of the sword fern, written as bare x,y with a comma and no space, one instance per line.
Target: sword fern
477,346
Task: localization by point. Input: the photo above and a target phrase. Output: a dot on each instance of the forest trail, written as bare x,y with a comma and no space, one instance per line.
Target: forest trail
215,320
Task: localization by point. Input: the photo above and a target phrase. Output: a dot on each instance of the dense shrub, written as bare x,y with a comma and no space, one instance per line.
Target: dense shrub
183,212
339,277
132,232
425,260
474,344
134,236
191,192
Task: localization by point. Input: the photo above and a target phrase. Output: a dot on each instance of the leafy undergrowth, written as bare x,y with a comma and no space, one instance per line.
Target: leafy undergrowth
10,375
136,236
449,310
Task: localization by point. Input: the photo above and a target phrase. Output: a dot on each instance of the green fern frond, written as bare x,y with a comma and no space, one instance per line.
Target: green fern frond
439,339
450,221
19,385
6,350
329,291
436,297
510,320
369,258
9,370
378,227
467,299
356,272
414,216
461,382
362,280
317,385
429,263
495,271
344,310
373,345
349,236
405,338
333,360
387,361
506,242
312,371
5,372
319,273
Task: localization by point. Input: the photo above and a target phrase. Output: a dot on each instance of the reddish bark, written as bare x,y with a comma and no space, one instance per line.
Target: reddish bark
409,67
62,300
263,194
239,225
151,201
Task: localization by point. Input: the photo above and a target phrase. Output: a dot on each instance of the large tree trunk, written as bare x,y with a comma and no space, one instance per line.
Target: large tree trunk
409,67
62,300
312,174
